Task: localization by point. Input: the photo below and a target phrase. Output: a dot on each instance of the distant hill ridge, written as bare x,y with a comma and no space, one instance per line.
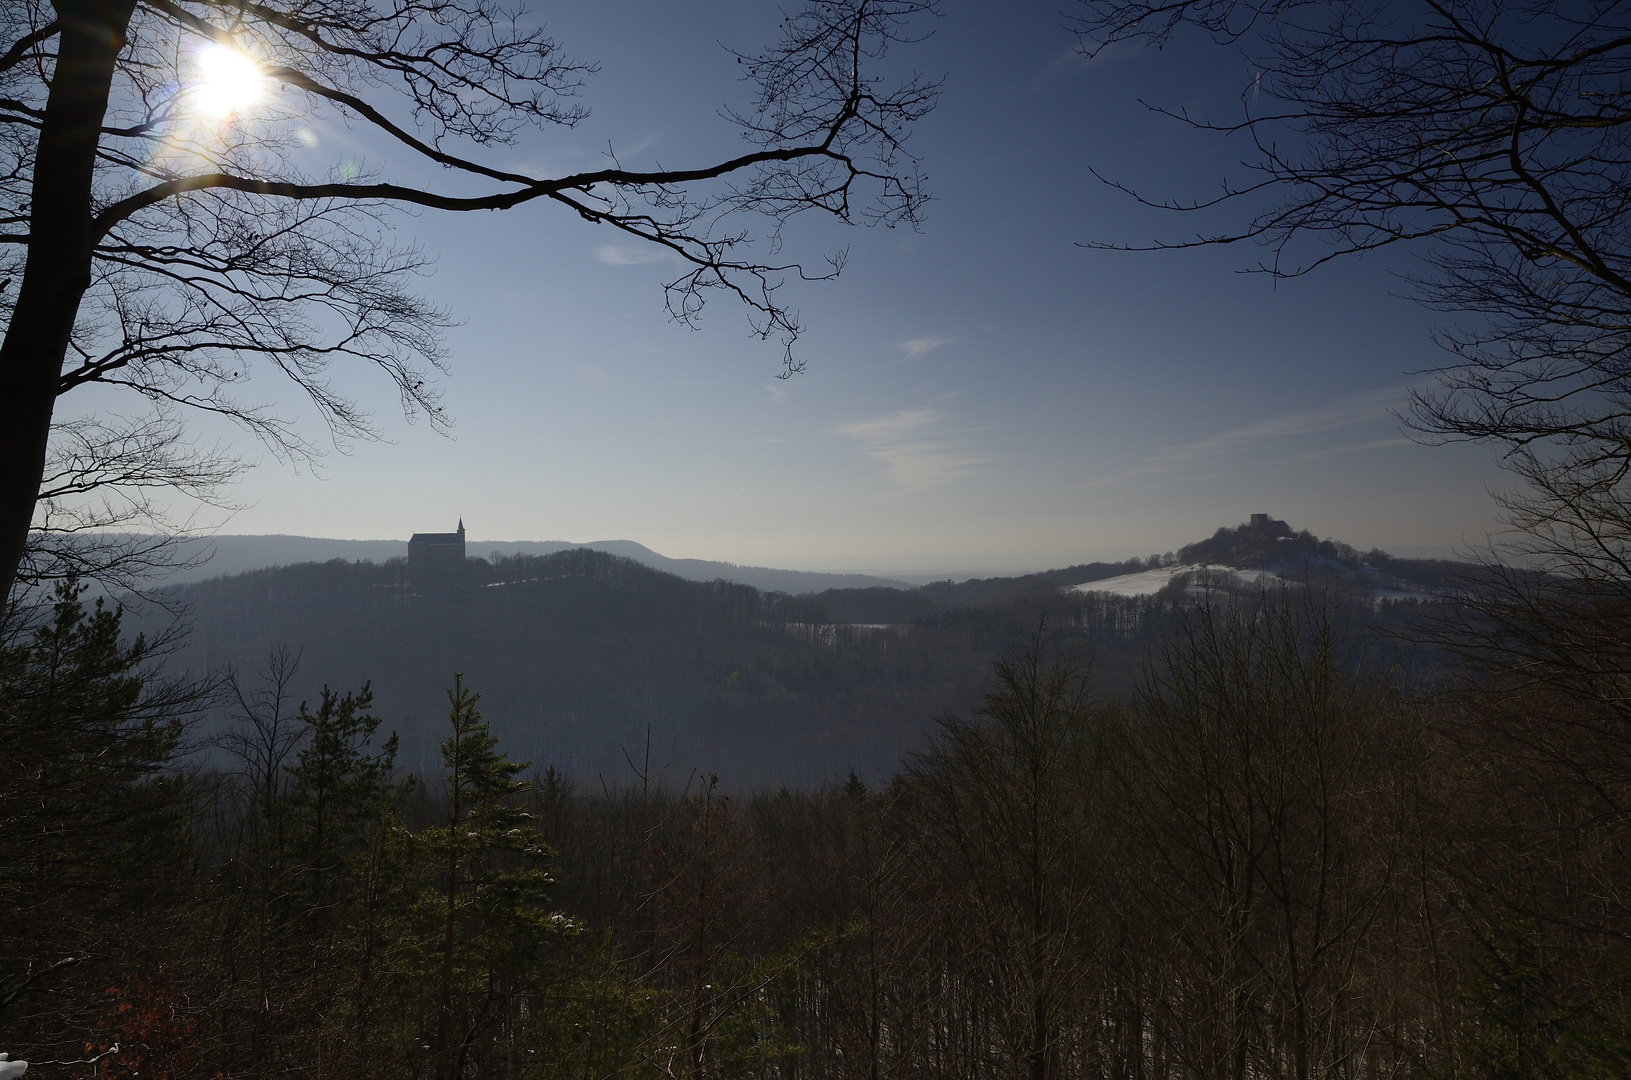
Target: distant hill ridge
1263,543
1265,548
582,654
1267,544
239,554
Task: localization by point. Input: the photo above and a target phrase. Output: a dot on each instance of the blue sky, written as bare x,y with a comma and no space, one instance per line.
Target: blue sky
984,395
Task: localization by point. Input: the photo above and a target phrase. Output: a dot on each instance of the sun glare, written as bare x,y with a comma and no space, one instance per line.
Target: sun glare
227,81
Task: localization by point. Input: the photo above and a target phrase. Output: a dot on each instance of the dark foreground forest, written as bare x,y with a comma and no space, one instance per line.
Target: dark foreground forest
1271,858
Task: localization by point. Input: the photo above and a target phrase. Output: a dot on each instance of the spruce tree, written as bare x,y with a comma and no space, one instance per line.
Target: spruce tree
495,916
339,784
93,844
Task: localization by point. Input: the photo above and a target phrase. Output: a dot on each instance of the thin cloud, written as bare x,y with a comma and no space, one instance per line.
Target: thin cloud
630,254
1074,59
1205,456
1358,409
646,142
1376,444
917,347
915,457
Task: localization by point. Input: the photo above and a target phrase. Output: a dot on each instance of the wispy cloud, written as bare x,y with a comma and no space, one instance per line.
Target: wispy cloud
630,254
1374,444
646,142
906,444
1368,407
1073,60
917,347
1266,441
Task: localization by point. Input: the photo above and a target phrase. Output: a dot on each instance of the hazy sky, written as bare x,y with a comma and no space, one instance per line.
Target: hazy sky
986,394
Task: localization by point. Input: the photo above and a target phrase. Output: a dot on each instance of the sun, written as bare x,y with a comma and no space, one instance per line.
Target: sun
227,81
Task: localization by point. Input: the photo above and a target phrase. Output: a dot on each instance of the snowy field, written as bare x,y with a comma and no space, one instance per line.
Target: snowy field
1150,582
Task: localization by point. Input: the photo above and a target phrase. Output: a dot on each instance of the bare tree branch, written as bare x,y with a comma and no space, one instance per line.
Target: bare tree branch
176,254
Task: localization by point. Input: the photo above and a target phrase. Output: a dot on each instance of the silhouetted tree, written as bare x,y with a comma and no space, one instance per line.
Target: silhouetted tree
1265,781
1489,129
338,783
161,240
1007,793
493,912
1489,137
93,850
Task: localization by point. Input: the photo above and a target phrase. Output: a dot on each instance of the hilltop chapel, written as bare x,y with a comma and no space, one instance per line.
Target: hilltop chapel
435,556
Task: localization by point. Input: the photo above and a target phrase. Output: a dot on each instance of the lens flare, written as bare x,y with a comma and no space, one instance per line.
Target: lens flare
227,81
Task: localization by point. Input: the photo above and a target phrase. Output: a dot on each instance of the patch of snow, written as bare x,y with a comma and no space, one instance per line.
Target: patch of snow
1150,582
1405,592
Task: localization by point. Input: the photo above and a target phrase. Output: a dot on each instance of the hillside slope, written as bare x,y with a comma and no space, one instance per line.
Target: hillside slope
578,653
219,556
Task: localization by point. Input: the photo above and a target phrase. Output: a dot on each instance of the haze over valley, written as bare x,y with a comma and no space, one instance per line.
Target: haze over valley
763,677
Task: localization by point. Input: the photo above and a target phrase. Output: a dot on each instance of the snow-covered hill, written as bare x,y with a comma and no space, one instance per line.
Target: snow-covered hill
1150,582
1265,550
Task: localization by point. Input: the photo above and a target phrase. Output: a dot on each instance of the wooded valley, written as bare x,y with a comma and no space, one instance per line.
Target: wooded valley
1280,853
580,654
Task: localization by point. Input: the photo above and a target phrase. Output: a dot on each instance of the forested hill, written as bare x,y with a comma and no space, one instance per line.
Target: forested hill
578,653
198,558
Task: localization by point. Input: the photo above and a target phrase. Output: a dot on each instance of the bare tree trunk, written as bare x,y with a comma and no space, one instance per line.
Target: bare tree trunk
57,272
1040,973
698,1044
1039,1035
444,1012
875,1020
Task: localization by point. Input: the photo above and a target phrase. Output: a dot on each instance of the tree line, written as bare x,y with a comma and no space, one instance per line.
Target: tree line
1271,859
579,653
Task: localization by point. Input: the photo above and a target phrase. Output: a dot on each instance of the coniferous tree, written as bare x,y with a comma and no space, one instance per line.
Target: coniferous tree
353,878
337,785
495,918
91,815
